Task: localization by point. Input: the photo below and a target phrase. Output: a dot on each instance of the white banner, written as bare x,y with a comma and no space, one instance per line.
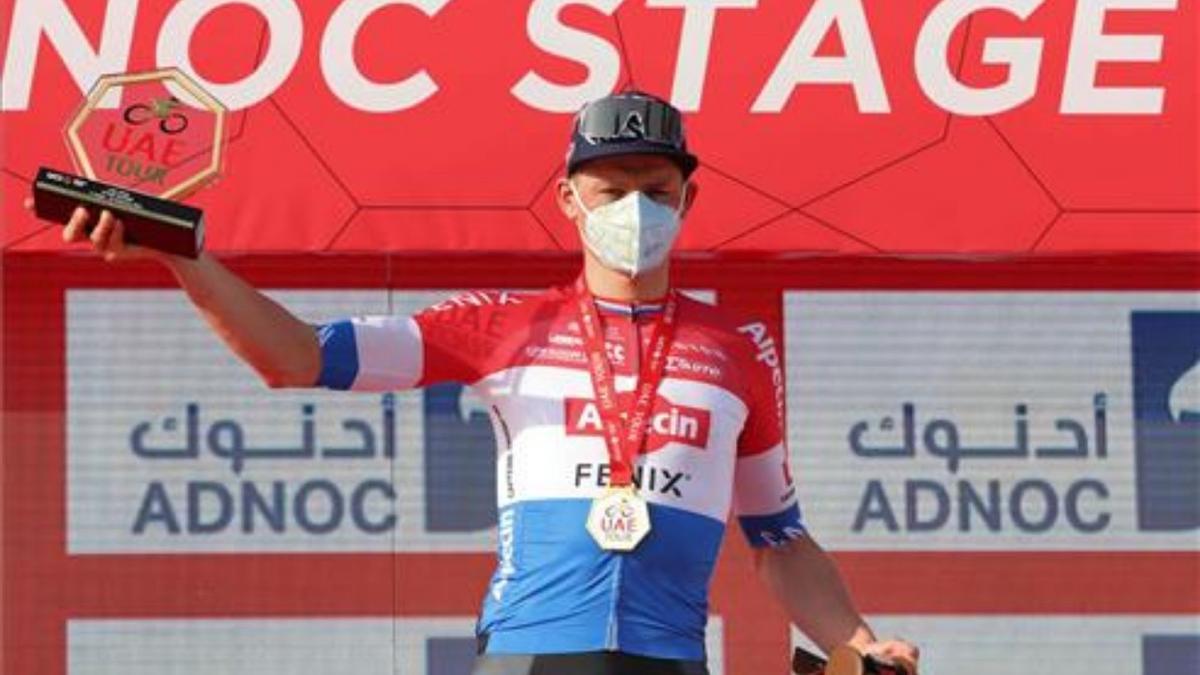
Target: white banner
922,420
174,445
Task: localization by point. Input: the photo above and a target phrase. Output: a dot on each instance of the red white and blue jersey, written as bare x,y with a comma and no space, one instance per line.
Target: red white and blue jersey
715,443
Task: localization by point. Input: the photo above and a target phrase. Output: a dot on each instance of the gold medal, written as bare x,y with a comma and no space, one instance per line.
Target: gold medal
619,519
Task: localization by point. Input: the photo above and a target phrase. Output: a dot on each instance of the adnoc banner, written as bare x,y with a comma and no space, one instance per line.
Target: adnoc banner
1003,421
173,445
838,126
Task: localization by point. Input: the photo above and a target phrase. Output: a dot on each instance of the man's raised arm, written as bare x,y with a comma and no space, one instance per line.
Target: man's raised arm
281,348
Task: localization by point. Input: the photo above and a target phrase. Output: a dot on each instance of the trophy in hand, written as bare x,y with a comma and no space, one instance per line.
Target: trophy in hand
139,142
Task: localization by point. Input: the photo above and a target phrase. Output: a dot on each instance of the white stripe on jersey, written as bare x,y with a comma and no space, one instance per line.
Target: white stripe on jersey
390,354
548,461
762,486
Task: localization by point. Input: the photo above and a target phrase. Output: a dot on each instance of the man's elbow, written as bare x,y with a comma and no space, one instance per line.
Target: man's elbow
288,379
760,558
795,547
767,557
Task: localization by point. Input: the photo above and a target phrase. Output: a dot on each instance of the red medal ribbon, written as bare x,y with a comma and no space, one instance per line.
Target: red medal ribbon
625,441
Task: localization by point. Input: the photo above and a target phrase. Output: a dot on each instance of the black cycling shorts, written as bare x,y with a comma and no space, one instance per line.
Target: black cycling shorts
584,663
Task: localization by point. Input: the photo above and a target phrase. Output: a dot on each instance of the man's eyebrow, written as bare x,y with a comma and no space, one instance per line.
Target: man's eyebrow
657,175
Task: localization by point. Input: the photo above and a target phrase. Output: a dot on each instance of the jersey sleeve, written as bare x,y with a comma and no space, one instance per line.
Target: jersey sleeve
764,493
447,342
371,353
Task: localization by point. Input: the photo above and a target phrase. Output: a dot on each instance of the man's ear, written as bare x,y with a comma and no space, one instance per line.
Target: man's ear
689,197
565,200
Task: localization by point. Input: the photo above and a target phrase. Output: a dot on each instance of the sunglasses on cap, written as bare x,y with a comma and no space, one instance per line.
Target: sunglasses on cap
631,117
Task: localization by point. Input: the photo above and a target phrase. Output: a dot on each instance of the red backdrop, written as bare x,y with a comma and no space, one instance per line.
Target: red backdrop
876,161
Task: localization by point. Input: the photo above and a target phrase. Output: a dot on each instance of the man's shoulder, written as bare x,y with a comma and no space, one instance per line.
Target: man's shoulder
721,322
481,298
747,339
484,302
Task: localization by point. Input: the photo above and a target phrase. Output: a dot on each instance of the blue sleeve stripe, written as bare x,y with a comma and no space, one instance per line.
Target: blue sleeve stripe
339,355
774,529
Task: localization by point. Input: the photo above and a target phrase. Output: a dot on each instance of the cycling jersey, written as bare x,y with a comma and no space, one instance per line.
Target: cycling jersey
715,443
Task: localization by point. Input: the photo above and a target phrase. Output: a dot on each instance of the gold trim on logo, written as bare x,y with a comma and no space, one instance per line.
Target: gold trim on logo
107,82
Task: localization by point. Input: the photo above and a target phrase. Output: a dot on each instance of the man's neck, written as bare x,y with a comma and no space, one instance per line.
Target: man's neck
606,283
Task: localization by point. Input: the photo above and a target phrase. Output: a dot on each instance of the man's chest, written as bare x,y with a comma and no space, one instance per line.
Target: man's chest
550,426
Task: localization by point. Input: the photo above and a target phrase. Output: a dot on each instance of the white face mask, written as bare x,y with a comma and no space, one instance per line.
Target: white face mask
632,234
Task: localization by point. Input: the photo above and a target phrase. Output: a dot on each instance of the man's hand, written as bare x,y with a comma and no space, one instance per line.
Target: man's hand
894,652
107,237
806,582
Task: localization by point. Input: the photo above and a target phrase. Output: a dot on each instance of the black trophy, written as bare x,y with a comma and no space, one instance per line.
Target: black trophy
140,142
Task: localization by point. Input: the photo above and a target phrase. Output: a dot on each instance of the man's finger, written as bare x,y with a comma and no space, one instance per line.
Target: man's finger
904,650
75,226
102,231
116,242
896,653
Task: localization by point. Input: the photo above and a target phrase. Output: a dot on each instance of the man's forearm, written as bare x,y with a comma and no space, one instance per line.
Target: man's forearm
280,347
803,577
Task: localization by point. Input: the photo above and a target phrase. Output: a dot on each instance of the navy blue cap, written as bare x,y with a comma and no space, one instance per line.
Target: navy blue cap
629,123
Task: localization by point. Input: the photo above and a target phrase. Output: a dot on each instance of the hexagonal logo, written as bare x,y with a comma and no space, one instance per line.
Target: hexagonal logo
619,519
156,132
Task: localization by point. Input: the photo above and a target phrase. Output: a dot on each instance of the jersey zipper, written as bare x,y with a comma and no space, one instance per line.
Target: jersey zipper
612,640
